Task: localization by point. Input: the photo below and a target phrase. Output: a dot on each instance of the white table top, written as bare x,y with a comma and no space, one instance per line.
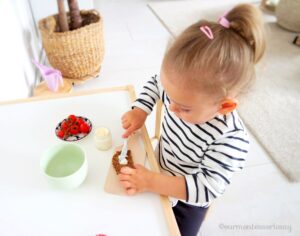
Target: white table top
29,206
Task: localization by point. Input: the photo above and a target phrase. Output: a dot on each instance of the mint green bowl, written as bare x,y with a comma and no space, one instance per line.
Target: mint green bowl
64,166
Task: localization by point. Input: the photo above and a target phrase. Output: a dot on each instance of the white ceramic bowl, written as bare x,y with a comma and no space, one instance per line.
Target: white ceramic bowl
64,165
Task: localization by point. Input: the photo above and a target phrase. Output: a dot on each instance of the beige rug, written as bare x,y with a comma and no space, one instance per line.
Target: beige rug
271,110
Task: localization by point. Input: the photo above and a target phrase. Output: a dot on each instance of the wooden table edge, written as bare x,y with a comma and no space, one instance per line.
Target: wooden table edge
169,215
73,94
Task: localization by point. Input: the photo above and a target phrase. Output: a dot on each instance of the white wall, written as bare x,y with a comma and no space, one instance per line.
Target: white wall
18,45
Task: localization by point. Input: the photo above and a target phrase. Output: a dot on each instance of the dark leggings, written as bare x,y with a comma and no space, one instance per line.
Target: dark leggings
189,218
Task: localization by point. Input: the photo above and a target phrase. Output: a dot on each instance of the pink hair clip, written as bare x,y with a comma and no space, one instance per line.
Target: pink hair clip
223,21
207,31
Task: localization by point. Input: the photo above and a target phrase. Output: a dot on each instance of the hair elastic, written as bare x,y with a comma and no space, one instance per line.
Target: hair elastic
223,21
207,31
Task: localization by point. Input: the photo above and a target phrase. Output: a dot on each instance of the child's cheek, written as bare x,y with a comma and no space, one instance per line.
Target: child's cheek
187,118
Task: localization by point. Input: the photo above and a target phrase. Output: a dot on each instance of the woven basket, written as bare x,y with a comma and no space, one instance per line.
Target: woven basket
78,54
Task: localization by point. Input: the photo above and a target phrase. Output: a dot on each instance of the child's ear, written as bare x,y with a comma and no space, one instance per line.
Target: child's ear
228,105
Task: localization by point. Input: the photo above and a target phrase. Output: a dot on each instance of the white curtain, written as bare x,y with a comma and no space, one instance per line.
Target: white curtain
19,44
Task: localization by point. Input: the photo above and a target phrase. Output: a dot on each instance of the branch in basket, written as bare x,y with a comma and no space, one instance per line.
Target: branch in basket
62,16
76,19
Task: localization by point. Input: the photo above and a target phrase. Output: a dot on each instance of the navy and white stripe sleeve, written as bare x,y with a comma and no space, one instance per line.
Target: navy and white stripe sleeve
149,96
221,160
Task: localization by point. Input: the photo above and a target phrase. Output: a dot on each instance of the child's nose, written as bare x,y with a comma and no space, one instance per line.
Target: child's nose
173,107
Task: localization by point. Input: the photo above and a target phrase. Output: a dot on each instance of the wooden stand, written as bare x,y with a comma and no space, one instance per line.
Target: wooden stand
42,89
78,81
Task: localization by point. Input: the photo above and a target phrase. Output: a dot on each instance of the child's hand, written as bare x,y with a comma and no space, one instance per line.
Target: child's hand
133,120
135,180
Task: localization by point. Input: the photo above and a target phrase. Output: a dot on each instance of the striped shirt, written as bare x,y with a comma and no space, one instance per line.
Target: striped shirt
206,154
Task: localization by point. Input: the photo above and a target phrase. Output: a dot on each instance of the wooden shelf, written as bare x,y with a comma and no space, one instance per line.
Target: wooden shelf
42,89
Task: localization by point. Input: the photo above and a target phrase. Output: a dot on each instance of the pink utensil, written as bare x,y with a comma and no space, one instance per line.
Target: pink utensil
52,77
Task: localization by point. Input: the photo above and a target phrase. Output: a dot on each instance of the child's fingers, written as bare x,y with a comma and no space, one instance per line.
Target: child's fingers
138,166
127,171
131,191
125,135
124,116
126,125
124,177
126,184
124,122
128,132
124,119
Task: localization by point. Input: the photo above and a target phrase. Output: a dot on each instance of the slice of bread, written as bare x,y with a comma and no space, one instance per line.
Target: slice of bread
116,163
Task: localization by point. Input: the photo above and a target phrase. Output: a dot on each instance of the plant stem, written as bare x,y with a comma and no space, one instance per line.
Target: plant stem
62,16
76,19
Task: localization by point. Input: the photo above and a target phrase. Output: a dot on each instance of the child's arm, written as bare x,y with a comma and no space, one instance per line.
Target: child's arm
135,118
149,95
221,160
141,179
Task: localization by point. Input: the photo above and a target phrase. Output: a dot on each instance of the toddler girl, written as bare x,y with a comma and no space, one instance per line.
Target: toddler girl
203,141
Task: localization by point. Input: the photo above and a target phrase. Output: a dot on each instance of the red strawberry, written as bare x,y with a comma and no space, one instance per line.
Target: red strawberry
60,133
72,118
64,125
84,128
74,129
80,121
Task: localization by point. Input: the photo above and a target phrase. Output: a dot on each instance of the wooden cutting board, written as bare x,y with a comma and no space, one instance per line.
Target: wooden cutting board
135,144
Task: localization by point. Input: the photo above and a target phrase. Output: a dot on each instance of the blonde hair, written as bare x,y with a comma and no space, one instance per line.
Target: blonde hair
225,63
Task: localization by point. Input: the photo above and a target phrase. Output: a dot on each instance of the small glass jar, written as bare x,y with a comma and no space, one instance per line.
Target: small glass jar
102,138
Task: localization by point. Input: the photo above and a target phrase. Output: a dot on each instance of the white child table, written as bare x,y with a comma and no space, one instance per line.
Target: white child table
29,206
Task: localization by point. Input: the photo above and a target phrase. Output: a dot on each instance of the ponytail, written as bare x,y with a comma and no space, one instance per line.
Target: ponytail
247,21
